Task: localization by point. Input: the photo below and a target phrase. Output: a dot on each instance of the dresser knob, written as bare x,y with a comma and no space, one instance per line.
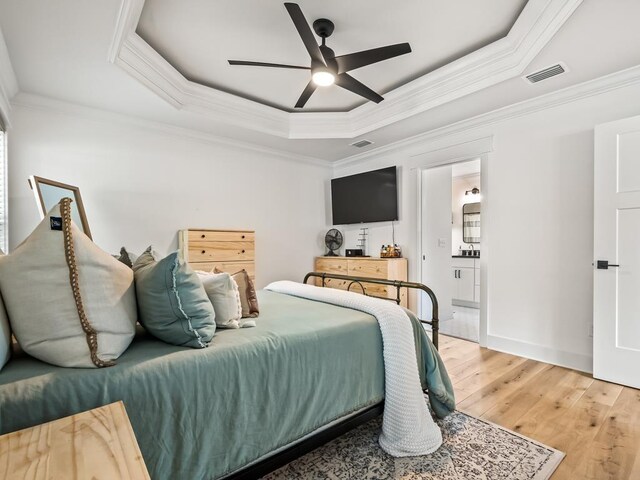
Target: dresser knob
202,236
203,252
242,251
242,236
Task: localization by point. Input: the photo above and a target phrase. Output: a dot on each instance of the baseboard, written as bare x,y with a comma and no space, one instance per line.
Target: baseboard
541,353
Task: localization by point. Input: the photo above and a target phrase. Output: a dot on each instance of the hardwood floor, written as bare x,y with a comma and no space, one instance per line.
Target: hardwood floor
597,424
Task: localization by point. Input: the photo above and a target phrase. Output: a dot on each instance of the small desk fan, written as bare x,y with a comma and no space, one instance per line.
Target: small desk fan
333,240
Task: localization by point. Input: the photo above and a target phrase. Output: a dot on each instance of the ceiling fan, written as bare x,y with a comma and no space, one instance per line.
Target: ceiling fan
327,69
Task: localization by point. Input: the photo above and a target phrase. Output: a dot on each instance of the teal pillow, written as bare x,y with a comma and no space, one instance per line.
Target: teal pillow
172,302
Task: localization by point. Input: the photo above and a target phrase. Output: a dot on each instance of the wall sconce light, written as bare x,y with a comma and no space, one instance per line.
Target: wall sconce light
473,191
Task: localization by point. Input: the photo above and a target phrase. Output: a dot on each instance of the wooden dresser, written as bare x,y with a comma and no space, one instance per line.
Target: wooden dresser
227,250
384,268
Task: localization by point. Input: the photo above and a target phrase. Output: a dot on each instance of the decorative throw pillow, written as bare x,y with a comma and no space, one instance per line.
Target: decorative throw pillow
223,292
248,297
172,302
69,303
126,257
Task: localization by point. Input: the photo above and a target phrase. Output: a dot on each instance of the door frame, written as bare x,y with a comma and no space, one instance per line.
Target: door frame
484,239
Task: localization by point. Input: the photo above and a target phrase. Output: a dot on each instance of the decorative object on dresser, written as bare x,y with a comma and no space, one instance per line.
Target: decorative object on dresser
333,241
362,239
99,443
227,250
382,268
390,251
48,194
354,252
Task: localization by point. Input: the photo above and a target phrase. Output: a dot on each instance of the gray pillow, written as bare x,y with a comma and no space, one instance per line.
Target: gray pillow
172,302
126,257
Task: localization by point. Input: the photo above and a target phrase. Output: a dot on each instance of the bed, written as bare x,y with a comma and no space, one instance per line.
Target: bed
221,411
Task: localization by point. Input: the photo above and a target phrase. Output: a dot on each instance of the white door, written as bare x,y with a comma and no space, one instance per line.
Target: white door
436,239
616,309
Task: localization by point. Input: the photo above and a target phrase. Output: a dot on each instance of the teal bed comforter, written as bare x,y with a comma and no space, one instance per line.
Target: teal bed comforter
201,414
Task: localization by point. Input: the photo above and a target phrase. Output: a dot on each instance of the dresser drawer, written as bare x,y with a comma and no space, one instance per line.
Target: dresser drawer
220,236
368,268
331,265
215,251
333,283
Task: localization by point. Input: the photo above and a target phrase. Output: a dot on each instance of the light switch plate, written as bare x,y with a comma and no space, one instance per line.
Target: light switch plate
442,242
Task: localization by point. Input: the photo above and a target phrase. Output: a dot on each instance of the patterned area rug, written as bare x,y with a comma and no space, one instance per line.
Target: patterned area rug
472,449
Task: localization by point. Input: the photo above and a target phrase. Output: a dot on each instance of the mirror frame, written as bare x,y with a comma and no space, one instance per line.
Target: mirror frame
472,204
34,183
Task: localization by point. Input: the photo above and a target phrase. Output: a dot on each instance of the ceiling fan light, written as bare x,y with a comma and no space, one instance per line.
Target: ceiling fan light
322,78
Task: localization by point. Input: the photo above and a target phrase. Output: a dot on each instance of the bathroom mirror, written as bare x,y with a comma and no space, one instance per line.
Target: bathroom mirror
471,222
48,193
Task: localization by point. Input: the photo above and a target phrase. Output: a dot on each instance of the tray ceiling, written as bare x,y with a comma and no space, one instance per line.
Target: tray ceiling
197,37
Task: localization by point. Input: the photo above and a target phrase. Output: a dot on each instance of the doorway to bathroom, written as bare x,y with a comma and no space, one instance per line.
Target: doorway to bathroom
451,235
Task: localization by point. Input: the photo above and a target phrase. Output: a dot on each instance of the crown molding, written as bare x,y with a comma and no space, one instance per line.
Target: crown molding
497,62
37,102
8,84
566,95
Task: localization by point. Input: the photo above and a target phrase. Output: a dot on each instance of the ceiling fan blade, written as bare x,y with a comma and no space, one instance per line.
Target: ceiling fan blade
263,64
352,61
306,94
347,82
308,38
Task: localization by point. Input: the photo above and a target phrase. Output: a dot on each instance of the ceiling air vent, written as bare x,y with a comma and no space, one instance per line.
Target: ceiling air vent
546,73
361,143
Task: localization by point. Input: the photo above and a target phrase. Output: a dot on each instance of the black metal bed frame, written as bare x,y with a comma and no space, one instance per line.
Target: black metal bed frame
273,462
398,284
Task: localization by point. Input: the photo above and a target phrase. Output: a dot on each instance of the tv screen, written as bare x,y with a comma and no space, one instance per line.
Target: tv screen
365,198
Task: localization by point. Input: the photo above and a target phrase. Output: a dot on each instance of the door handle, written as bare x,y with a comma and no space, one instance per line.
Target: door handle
604,265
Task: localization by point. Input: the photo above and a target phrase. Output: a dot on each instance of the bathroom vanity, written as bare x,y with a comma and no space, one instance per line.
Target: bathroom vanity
466,280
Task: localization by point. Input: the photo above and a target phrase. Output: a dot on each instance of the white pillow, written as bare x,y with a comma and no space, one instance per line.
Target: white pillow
223,292
35,285
5,336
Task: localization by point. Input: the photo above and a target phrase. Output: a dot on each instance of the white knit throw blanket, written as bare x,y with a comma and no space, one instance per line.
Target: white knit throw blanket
407,426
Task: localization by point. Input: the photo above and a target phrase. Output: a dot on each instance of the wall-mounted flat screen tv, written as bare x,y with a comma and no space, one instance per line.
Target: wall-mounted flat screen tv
365,197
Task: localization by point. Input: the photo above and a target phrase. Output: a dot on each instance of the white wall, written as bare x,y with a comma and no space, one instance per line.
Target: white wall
140,187
460,185
538,214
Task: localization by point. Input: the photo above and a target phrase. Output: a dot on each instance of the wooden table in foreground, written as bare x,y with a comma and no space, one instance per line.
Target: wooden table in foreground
98,444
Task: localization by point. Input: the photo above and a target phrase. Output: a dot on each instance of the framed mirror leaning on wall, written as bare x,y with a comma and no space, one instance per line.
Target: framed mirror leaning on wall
471,222
48,193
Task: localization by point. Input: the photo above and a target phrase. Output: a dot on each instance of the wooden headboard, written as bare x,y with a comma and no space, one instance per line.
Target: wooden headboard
227,250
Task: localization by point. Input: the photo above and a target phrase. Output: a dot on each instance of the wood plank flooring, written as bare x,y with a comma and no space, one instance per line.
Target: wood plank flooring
597,424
